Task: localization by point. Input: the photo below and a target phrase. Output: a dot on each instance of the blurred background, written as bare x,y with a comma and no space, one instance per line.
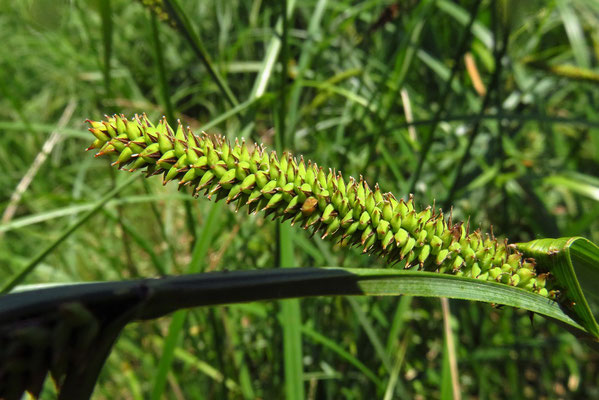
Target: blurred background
489,106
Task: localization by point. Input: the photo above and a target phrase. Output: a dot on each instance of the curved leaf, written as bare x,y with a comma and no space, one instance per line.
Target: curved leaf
165,295
100,304
575,263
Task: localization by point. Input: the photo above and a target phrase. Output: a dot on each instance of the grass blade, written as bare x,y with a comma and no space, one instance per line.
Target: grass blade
184,24
76,209
290,309
107,27
582,184
462,48
291,321
397,324
371,333
152,298
161,70
168,294
450,362
39,160
25,271
567,259
394,376
178,320
331,345
575,34
272,53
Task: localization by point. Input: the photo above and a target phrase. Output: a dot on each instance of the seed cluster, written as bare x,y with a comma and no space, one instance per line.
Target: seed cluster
349,212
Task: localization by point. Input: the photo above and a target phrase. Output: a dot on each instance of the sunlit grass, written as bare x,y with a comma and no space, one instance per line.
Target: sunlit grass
344,108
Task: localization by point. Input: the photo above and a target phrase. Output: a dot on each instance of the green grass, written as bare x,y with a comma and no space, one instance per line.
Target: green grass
326,85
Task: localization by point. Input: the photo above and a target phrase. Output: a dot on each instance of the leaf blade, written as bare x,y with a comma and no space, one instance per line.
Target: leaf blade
556,255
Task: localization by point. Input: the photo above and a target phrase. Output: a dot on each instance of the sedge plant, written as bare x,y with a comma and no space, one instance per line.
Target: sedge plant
68,332
346,211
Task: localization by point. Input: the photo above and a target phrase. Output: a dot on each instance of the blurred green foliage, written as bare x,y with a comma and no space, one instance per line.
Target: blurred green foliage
367,90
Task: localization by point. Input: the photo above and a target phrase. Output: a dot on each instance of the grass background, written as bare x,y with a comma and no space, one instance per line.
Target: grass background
488,106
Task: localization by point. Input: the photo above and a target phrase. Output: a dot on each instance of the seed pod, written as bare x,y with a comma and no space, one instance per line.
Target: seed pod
424,253
442,256
304,193
364,220
328,214
382,229
333,227
309,206
475,271
387,239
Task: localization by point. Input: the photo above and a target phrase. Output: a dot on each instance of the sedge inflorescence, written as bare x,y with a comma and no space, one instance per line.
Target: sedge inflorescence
347,211
158,8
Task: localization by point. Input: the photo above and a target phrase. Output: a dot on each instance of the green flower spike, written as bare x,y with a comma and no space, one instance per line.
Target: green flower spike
348,212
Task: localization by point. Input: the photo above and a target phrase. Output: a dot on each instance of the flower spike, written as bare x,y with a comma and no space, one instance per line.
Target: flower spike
346,211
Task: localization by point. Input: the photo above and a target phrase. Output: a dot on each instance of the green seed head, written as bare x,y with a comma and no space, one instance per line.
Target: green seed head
349,211
158,8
